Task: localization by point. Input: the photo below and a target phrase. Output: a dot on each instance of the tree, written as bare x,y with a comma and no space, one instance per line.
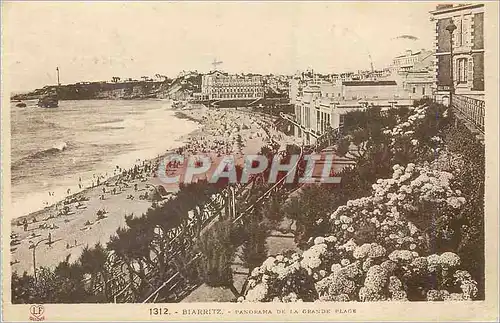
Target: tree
254,246
23,289
215,245
93,261
309,209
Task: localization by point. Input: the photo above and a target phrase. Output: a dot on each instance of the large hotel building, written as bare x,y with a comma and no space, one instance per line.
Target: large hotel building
222,86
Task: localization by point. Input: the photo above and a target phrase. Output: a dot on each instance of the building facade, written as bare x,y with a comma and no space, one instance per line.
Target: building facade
467,59
321,106
468,49
417,77
407,62
222,86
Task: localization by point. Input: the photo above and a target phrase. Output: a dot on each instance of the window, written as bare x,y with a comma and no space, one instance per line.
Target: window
341,120
423,90
459,36
414,90
461,70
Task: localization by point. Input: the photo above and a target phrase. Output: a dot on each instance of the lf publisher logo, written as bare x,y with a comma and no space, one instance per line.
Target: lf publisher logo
36,313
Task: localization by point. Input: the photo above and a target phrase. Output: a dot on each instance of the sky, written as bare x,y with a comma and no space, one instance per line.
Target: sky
95,41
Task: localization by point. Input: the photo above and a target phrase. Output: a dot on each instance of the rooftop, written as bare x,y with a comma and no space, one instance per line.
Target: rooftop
443,8
369,83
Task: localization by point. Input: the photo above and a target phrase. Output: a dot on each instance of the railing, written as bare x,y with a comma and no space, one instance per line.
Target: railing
273,188
471,109
208,220
154,295
328,138
180,246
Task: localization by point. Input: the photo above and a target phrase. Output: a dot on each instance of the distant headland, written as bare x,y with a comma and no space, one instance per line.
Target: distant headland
117,89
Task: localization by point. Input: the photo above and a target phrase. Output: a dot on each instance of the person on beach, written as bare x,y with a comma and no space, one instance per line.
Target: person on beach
50,240
25,225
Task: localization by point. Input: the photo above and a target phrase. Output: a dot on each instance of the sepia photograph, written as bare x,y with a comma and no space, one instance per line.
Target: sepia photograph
215,160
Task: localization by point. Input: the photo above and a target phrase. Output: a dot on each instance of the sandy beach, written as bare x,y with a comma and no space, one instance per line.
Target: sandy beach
74,223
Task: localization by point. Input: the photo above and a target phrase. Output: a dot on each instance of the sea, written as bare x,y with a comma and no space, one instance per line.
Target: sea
53,149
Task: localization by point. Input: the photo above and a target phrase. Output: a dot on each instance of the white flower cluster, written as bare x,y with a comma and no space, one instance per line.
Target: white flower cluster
405,129
467,284
436,139
446,260
345,266
257,293
272,270
336,268
403,256
370,250
311,258
391,200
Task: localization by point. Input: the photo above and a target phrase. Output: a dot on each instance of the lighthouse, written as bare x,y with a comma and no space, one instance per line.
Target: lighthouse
58,82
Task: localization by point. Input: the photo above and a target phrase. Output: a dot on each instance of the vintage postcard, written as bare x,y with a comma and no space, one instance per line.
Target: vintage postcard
249,161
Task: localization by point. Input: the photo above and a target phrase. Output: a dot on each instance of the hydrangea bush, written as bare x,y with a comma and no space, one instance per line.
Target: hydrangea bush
350,272
414,192
395,262
418,136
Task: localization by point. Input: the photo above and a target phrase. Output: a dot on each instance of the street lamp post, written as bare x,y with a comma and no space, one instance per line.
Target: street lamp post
33,246
451,28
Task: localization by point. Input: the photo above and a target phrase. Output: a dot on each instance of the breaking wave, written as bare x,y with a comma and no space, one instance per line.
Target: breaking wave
54,150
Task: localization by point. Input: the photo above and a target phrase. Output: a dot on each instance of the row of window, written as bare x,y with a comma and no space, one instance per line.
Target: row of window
234,83
415,90
322,121
236,93
405,61
328,94
235,96
237,90
226,81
